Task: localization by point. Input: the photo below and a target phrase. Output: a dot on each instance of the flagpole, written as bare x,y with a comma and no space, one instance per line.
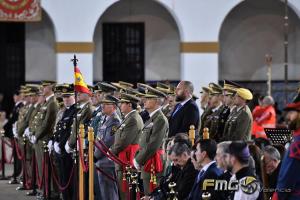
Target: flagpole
75,60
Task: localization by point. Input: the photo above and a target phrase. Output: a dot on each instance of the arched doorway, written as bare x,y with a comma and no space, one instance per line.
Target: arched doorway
40,50
251,30
27,54
136,40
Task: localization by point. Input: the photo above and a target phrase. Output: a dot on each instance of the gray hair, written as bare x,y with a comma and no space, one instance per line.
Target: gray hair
179,148
268,100
273,152
189,86
224,146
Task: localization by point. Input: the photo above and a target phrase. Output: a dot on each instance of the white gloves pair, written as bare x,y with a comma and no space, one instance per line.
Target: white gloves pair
54,147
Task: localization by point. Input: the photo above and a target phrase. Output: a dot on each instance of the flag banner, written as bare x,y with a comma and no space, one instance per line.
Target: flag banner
20,10
80,85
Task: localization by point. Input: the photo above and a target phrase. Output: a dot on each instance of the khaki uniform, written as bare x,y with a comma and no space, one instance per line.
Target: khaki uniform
127,134
44,125
238,125
207,111
167,110
83,116
154,133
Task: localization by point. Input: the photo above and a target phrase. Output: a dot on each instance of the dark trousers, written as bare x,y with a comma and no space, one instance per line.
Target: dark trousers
65,164
17,163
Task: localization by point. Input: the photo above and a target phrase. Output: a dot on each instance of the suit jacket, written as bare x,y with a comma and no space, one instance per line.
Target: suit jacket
212,172
187,115
155,131
128,132
12,119
106,135
185,180
48,113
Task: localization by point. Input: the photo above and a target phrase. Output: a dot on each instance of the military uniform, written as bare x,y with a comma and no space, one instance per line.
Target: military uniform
127,137
83,117
207,111
108,188
239,122
64,160
44,128
212,123
154,133
238,125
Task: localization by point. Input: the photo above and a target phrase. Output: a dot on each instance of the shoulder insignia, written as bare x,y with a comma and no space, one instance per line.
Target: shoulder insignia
114,129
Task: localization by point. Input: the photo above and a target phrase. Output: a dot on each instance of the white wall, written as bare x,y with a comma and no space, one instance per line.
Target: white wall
197,21
40,57
252,30
162,40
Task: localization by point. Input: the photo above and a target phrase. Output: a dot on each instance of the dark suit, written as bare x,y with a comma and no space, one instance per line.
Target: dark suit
181,119
9,133
212,172
12,119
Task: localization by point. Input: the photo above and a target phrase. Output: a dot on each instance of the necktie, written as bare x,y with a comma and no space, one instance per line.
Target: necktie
200,175
177,109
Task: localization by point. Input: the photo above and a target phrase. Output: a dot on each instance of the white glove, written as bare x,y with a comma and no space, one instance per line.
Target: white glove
56,148
136,165
27,132
68,148
32,139
14,130
50,146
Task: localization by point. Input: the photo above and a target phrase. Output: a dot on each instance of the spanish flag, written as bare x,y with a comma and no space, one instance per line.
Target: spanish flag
80,85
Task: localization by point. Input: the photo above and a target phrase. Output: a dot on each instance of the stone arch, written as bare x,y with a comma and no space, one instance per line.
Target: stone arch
162,37
251,30
40,39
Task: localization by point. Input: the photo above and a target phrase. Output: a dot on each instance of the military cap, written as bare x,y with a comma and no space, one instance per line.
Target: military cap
244,93
206,90
47,83
215,89
58,88
128,98
154,93
229,91
125,84
67,90
34,89
230,85
119,87
165,90
162,85
109,99
105,87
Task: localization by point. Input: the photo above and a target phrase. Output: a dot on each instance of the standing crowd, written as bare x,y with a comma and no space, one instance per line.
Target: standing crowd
224,153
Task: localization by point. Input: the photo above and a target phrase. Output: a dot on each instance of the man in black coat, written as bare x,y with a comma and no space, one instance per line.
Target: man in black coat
9,132
186,112
183,174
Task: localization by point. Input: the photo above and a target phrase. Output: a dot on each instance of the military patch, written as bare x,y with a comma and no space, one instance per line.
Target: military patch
113,130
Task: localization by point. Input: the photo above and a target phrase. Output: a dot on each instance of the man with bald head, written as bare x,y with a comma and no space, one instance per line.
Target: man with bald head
186,112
